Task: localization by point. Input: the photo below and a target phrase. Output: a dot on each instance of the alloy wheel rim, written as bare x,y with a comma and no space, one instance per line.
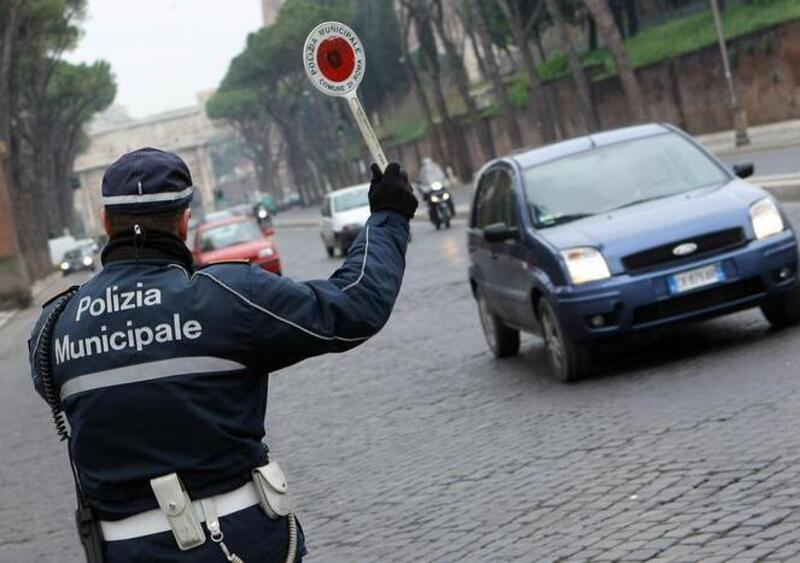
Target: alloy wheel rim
552,341
487,323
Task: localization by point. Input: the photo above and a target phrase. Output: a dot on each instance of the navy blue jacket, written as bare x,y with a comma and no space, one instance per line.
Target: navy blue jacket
165,369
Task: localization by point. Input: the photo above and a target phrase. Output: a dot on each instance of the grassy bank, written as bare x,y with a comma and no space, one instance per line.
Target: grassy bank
684,35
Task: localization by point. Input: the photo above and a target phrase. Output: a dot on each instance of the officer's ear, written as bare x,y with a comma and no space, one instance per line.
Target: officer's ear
183,224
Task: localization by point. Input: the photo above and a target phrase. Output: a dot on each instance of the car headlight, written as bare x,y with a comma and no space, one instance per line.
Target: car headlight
266,252
64,266
435,198
585,264
87,260
436,186
766,218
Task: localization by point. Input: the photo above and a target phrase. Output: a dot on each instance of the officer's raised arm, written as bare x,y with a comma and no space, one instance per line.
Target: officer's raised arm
290,321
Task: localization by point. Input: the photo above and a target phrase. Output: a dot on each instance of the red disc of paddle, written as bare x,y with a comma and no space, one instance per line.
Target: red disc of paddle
336,59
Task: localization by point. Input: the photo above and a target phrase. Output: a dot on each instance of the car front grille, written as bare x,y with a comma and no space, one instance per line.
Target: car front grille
698,301
707,245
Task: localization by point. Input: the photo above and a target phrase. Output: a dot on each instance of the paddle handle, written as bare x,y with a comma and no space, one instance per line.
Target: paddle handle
367,132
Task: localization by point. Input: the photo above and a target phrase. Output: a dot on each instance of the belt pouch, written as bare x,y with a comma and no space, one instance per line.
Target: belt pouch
273,493
181,514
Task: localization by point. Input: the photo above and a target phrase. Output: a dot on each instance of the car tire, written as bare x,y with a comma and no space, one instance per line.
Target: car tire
330,251
568,358
783,310
502,341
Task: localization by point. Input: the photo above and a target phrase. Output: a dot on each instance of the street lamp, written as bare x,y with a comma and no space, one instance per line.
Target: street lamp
739,114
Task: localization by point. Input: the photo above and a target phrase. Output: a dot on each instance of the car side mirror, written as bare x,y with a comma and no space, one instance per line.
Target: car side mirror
499,232
744,170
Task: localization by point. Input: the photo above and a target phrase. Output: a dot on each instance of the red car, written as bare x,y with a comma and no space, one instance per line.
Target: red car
237,238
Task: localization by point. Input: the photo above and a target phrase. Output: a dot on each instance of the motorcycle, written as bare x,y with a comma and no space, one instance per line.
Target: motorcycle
440,204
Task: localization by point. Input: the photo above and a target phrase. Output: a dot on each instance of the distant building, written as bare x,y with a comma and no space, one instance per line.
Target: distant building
188,132
269,11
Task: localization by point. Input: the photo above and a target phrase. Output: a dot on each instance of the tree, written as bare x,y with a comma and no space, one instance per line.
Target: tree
602,16
379,27
44,104
419,13
440,153
500,88
576,67
455,60
521,26
265,85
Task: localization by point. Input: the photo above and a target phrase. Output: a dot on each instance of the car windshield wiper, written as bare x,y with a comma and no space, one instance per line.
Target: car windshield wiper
662,196
642,200
561,219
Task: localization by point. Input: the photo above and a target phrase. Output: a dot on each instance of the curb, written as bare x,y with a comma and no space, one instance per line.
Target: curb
785,187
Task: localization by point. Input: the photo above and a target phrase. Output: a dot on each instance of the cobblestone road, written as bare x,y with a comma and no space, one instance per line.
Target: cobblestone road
418,446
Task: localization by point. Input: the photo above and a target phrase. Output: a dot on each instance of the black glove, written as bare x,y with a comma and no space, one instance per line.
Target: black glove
390,191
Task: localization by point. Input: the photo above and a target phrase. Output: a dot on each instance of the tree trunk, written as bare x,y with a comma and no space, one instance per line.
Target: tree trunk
632,15
613,40
500,88
422,99
576,67
457,157
540,102
462,83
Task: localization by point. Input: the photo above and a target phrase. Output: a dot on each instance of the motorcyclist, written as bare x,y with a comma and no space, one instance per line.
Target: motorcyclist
431,173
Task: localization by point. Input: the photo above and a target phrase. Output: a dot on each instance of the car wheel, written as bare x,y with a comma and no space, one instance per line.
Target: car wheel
569,359
330,251
502,341
783,310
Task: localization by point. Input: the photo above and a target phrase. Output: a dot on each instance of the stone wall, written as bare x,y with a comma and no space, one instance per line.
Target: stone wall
688,91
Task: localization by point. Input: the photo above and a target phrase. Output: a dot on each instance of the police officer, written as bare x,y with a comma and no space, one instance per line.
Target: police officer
162,368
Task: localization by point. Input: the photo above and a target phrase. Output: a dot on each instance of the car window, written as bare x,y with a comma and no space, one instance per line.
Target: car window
617,175
229,235
505,202
484,201
350,200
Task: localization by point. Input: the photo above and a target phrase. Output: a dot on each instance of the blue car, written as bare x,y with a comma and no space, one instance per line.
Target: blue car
620,232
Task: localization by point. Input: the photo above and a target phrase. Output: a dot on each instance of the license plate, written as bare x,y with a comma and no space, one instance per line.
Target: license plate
700,277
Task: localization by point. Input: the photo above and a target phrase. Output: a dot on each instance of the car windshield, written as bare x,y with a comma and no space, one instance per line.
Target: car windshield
616,176
73,254
229,235
351,200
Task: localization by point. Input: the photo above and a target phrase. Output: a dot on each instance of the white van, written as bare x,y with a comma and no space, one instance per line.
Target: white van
344,213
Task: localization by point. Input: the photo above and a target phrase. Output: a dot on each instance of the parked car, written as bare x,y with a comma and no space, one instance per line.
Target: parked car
79,259
344,213
237,238
619,232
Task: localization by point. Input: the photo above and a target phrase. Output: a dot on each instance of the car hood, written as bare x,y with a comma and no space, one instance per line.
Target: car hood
356,216
245,251
663,221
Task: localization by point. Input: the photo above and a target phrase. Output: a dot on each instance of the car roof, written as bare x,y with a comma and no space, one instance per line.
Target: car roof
540,155
223,222
348,189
